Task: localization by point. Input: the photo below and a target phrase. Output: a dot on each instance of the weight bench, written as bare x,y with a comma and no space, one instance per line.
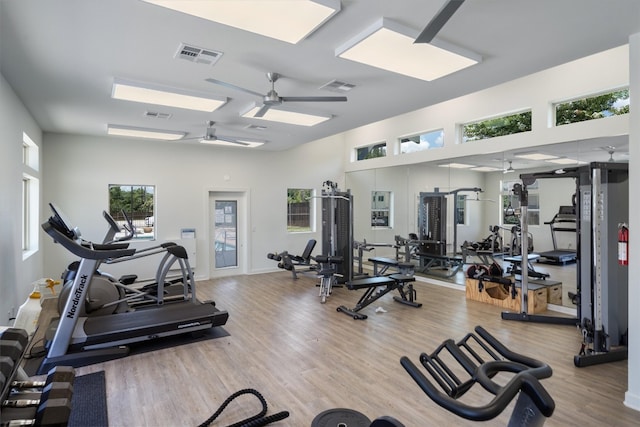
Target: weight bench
515,266
289,262
451,264
372,293
382,264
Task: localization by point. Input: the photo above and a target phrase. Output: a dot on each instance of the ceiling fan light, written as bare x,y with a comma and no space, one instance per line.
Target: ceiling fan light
261,16
390,46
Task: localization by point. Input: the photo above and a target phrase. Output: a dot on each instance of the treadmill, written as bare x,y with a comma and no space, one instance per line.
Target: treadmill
79,341
563,221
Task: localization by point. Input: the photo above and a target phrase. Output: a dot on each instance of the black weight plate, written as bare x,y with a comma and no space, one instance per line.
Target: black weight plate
340,417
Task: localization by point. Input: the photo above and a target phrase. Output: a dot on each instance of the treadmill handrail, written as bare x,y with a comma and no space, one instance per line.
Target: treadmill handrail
80,250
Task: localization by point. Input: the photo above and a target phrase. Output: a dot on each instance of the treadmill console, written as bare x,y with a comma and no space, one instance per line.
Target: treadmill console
61,223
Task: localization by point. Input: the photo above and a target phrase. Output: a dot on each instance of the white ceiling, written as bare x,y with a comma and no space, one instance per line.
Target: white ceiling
61,58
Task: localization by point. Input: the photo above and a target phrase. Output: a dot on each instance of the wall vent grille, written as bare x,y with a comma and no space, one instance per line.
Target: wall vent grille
337,86
199,55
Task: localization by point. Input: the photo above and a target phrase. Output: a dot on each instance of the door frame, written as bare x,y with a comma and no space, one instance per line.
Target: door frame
241,195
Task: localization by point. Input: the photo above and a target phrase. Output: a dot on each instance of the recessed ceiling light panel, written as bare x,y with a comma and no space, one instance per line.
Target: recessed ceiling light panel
136,132
284,116
169,97
261,16
390,46
535,156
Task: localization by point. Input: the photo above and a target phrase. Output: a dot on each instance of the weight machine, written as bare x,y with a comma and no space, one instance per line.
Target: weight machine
602,283
432,220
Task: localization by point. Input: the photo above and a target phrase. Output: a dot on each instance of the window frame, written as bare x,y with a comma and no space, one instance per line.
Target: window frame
385,212
138,223
310,228
462,127
506,196
404,140
30,192
357,151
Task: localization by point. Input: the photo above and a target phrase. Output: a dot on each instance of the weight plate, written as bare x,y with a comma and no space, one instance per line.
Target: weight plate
341,417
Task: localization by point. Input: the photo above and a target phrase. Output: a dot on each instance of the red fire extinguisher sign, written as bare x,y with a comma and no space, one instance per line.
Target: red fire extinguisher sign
623,244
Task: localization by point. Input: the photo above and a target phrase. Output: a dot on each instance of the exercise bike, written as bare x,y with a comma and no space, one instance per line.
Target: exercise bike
456,368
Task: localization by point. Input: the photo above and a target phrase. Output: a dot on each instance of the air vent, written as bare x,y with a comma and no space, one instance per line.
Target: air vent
199,55
156,115
337,86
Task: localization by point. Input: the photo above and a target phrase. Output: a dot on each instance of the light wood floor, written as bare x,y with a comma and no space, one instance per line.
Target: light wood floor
305,357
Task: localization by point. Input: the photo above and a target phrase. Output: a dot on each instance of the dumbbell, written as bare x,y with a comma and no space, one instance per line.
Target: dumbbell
52,412
13,343
6,369
54,390
65,374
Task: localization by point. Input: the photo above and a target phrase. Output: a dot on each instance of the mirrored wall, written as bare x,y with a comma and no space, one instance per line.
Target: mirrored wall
475,202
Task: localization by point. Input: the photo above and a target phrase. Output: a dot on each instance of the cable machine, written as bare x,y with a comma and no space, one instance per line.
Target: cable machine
432,221
602,282
337,228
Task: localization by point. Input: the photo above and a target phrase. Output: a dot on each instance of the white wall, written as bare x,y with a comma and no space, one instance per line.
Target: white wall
16,274
80,169
632,397
600,72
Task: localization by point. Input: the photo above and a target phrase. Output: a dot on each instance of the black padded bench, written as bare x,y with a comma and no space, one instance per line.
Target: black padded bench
378,286
382,264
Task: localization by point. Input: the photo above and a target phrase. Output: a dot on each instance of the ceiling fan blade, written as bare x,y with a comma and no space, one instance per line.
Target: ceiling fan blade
233,140
438,21
313,98
232,86
262,111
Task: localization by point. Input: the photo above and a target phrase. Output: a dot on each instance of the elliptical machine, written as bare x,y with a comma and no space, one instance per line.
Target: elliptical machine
108,295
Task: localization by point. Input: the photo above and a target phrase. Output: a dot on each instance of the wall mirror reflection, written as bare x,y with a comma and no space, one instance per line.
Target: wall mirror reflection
450,211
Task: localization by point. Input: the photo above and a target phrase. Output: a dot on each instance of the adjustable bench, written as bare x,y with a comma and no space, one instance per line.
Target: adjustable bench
377,287
382,264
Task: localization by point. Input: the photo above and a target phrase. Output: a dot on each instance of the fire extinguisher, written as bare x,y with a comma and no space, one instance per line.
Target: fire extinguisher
623,244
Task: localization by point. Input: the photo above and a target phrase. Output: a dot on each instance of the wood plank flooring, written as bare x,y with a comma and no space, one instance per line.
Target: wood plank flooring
305,357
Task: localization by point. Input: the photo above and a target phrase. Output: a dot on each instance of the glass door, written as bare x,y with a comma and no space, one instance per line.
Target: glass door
226,233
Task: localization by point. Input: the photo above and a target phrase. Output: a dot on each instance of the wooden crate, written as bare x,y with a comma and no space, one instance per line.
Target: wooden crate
554,290
496,294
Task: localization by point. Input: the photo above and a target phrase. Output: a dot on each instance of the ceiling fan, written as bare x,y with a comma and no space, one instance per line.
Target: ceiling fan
272,98
210,136
510,168
437,22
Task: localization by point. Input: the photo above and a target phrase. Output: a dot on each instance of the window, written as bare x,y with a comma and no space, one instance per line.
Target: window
371,151
461,203
138,203
421,142
511,204
381,209
299,210
593,107
497,126
30,196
